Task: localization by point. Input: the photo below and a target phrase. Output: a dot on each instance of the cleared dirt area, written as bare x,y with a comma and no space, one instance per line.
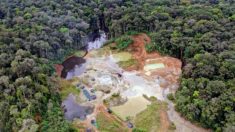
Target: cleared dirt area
172,66
131,107
122,56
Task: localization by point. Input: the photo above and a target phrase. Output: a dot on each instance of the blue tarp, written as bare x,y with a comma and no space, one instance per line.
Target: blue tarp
87,94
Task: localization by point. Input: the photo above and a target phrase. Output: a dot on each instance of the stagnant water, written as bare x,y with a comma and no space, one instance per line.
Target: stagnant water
79,69
71,108
76,71
74,110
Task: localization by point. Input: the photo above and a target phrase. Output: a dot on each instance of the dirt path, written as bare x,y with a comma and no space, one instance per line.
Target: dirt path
165,123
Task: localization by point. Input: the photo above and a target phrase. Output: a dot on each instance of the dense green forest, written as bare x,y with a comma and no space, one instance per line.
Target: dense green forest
34,34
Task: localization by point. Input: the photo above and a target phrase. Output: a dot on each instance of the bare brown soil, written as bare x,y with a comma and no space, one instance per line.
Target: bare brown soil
172,68
165,122
138,50
58,68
